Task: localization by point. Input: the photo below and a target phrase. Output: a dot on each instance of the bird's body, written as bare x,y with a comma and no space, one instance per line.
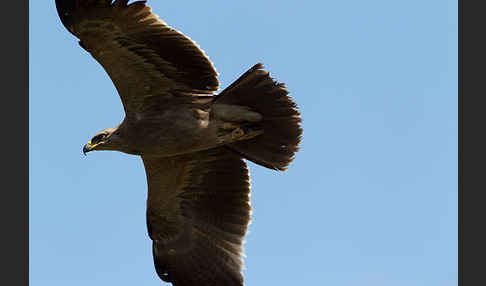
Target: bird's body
191,141
187,128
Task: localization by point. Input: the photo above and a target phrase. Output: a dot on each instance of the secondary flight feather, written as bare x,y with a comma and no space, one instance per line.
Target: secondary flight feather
192,142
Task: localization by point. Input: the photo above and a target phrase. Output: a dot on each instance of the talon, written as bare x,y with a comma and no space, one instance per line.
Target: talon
237,133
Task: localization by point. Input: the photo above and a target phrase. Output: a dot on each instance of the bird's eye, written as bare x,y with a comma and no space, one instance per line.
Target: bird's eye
97,138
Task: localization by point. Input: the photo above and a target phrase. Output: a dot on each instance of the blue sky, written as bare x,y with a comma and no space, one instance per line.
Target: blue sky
371,198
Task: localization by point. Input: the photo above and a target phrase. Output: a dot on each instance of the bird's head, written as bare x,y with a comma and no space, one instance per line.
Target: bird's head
108,139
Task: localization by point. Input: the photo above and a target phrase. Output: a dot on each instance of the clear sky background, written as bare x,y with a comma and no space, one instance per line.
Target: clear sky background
371,198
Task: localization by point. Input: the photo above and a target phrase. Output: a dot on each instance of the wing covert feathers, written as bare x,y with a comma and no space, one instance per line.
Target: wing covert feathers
143,56
198,211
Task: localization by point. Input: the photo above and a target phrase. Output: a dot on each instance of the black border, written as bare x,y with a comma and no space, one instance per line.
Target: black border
459,153
472,143
14,212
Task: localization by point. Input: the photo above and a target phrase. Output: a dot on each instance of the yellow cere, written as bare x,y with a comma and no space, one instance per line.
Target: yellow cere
92,146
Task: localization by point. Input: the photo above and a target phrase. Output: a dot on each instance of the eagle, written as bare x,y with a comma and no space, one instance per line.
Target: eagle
192,141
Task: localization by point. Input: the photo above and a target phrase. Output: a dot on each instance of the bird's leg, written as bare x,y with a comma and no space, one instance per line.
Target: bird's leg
242,122
237,130
240,131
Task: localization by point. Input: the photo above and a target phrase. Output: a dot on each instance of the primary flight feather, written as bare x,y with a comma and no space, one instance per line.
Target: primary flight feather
192,142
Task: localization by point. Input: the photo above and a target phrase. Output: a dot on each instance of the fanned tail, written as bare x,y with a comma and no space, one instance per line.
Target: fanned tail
276,147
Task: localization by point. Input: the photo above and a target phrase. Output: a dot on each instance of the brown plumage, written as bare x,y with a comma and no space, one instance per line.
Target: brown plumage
192,143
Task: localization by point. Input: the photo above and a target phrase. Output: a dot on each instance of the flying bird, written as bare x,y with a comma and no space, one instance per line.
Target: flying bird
192,141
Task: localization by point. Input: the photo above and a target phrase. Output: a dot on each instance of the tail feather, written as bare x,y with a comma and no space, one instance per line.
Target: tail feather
281,123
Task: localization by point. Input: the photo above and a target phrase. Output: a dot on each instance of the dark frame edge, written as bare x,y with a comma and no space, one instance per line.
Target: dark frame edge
14,211
471,153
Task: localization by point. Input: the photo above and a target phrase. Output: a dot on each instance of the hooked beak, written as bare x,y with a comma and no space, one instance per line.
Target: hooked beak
86,149
89,147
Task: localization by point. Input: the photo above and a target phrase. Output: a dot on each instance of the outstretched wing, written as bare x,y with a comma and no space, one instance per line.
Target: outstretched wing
198,211
144,57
